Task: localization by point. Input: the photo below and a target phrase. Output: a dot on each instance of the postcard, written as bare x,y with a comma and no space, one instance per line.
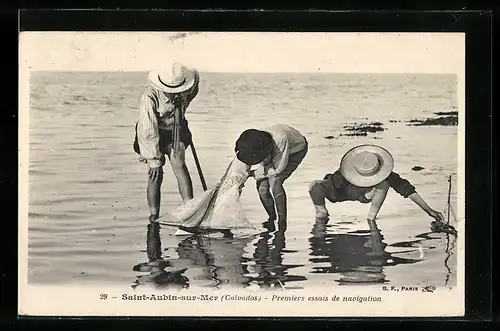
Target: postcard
241,174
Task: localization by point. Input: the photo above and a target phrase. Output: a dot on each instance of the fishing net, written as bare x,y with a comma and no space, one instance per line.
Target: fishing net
218,208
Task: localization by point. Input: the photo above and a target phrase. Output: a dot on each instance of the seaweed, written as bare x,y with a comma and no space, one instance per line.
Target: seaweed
441,121
449,118
365,128
354,134
360,130
447,113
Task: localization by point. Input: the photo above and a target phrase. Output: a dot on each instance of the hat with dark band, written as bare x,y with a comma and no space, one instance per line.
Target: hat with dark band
253,146
176,79
366,165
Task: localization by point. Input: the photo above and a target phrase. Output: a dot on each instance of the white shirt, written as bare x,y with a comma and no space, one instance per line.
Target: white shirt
287,141
149,124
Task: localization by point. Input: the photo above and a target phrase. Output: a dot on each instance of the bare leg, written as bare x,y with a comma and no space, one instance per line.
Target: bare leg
181,172
266,198
279,196
318,193
282,226
155,179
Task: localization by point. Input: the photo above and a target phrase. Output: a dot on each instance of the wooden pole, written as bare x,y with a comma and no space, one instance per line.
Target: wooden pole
198,167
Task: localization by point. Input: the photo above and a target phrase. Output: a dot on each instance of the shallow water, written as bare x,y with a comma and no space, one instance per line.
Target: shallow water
88,216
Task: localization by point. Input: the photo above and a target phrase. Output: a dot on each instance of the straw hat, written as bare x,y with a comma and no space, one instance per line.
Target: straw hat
175,79
366,165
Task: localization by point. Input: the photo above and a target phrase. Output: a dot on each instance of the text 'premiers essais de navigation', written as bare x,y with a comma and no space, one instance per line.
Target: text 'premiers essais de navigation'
250,298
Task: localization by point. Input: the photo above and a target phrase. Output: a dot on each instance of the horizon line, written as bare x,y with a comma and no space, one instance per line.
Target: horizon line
250,72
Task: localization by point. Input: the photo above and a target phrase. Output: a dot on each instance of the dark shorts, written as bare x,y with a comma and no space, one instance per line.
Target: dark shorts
166,138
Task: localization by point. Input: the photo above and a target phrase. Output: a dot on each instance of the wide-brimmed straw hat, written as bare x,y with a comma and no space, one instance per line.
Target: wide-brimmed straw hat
253,146
175,79
366,165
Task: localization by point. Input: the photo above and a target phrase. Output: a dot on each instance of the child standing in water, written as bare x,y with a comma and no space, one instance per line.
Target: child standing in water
365,175
162,129
277,151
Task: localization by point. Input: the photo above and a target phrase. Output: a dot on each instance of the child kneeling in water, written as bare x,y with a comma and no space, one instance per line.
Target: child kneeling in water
365,175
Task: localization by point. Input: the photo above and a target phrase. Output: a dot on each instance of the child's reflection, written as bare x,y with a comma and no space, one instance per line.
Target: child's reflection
158,276
220,259
358,259
268,258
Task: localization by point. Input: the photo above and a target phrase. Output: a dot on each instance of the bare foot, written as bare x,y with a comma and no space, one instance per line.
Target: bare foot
269,226
321,212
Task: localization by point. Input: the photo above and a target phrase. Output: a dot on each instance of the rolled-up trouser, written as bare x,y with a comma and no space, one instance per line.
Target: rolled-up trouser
166,138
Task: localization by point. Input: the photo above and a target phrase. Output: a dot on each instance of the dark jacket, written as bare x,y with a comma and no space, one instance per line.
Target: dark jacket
343,190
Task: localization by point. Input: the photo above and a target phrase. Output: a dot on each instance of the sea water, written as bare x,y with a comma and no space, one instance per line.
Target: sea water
88,213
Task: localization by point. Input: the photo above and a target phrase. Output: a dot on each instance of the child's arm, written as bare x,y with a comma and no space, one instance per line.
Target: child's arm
378,200
280,155
407,190
147,133
258,173
417,199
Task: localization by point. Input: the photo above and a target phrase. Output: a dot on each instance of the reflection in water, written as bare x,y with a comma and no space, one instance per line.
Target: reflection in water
358,258
449,248
268,261
156,265
220,261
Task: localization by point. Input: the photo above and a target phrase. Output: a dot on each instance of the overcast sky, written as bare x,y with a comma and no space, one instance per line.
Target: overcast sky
245,52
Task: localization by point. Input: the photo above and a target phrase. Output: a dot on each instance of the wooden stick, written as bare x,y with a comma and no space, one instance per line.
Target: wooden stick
198,166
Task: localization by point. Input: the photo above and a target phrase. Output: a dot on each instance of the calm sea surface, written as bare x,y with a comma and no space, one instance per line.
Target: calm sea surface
88,216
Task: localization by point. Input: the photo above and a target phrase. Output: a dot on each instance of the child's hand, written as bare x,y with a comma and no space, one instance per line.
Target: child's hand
437,226
436,215
168,121
259,173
